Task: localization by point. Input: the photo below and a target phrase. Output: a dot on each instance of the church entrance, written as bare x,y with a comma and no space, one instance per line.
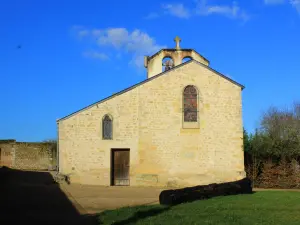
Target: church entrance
120,167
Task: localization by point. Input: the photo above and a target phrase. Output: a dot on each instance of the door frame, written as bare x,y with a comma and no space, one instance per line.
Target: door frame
112,150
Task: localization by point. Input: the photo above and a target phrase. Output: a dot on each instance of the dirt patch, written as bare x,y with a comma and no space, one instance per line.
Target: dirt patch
94,199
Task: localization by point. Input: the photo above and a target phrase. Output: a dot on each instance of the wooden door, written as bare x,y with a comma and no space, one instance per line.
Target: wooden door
120,167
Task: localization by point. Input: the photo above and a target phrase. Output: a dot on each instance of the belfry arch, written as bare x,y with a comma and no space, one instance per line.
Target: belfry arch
155,64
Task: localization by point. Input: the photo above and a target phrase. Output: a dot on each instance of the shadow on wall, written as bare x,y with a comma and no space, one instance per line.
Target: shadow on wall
34,198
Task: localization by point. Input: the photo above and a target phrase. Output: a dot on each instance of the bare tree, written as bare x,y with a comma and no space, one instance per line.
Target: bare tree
280,131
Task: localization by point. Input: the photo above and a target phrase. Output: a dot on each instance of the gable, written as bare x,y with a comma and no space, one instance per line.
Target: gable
149,80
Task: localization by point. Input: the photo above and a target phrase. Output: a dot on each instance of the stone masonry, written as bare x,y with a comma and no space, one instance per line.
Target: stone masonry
27,155
148,120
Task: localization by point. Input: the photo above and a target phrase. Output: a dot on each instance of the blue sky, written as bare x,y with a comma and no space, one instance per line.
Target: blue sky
74,53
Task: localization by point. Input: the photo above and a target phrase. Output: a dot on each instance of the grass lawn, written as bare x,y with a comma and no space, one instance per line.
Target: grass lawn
264,207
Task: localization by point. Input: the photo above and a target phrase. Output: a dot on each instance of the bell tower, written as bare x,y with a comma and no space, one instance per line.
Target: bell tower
157,63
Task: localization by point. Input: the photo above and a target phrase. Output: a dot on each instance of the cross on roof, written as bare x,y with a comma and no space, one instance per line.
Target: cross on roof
177,40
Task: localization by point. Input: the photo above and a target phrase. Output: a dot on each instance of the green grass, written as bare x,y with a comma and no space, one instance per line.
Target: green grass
261,208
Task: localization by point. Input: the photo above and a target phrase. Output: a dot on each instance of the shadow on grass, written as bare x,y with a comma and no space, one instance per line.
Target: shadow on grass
142,215
28,197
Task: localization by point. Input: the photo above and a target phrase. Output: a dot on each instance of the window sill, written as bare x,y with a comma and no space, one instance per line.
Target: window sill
190,125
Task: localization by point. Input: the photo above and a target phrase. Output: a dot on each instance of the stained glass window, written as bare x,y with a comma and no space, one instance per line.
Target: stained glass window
107,127
190,104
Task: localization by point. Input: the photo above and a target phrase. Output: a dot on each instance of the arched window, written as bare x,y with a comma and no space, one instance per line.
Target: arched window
190,105
186,59
167,63
107,127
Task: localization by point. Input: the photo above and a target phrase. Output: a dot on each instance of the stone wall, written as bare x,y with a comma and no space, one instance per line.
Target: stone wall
6,152
28,155
148,120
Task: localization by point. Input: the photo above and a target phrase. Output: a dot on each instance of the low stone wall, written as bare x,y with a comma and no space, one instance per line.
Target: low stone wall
6,153
28,155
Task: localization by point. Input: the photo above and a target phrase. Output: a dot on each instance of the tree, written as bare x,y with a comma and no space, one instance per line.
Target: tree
247,141
279,132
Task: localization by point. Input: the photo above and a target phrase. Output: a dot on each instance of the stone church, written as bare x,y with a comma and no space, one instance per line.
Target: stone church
182,126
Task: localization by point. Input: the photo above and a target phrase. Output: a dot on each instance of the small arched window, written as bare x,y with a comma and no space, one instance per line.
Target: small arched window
107,127
190,104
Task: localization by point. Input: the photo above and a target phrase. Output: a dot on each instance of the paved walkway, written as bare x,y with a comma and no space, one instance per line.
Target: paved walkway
93,199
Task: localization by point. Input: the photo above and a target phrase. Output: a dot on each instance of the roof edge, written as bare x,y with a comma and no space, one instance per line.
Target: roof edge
147,80
220,74
123,91
182,49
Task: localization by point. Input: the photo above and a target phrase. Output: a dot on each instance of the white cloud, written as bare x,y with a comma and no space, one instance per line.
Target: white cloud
116,37
296,4
232,11
83,33
152,15
177,10
96,55
80,31
274,2
136,43
203,9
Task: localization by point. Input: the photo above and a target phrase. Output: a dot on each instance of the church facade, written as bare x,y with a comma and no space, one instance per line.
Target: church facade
182,126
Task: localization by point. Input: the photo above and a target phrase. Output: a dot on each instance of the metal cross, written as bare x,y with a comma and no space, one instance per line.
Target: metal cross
177,40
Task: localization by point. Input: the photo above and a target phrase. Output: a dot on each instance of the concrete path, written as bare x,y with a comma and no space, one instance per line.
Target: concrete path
94,199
